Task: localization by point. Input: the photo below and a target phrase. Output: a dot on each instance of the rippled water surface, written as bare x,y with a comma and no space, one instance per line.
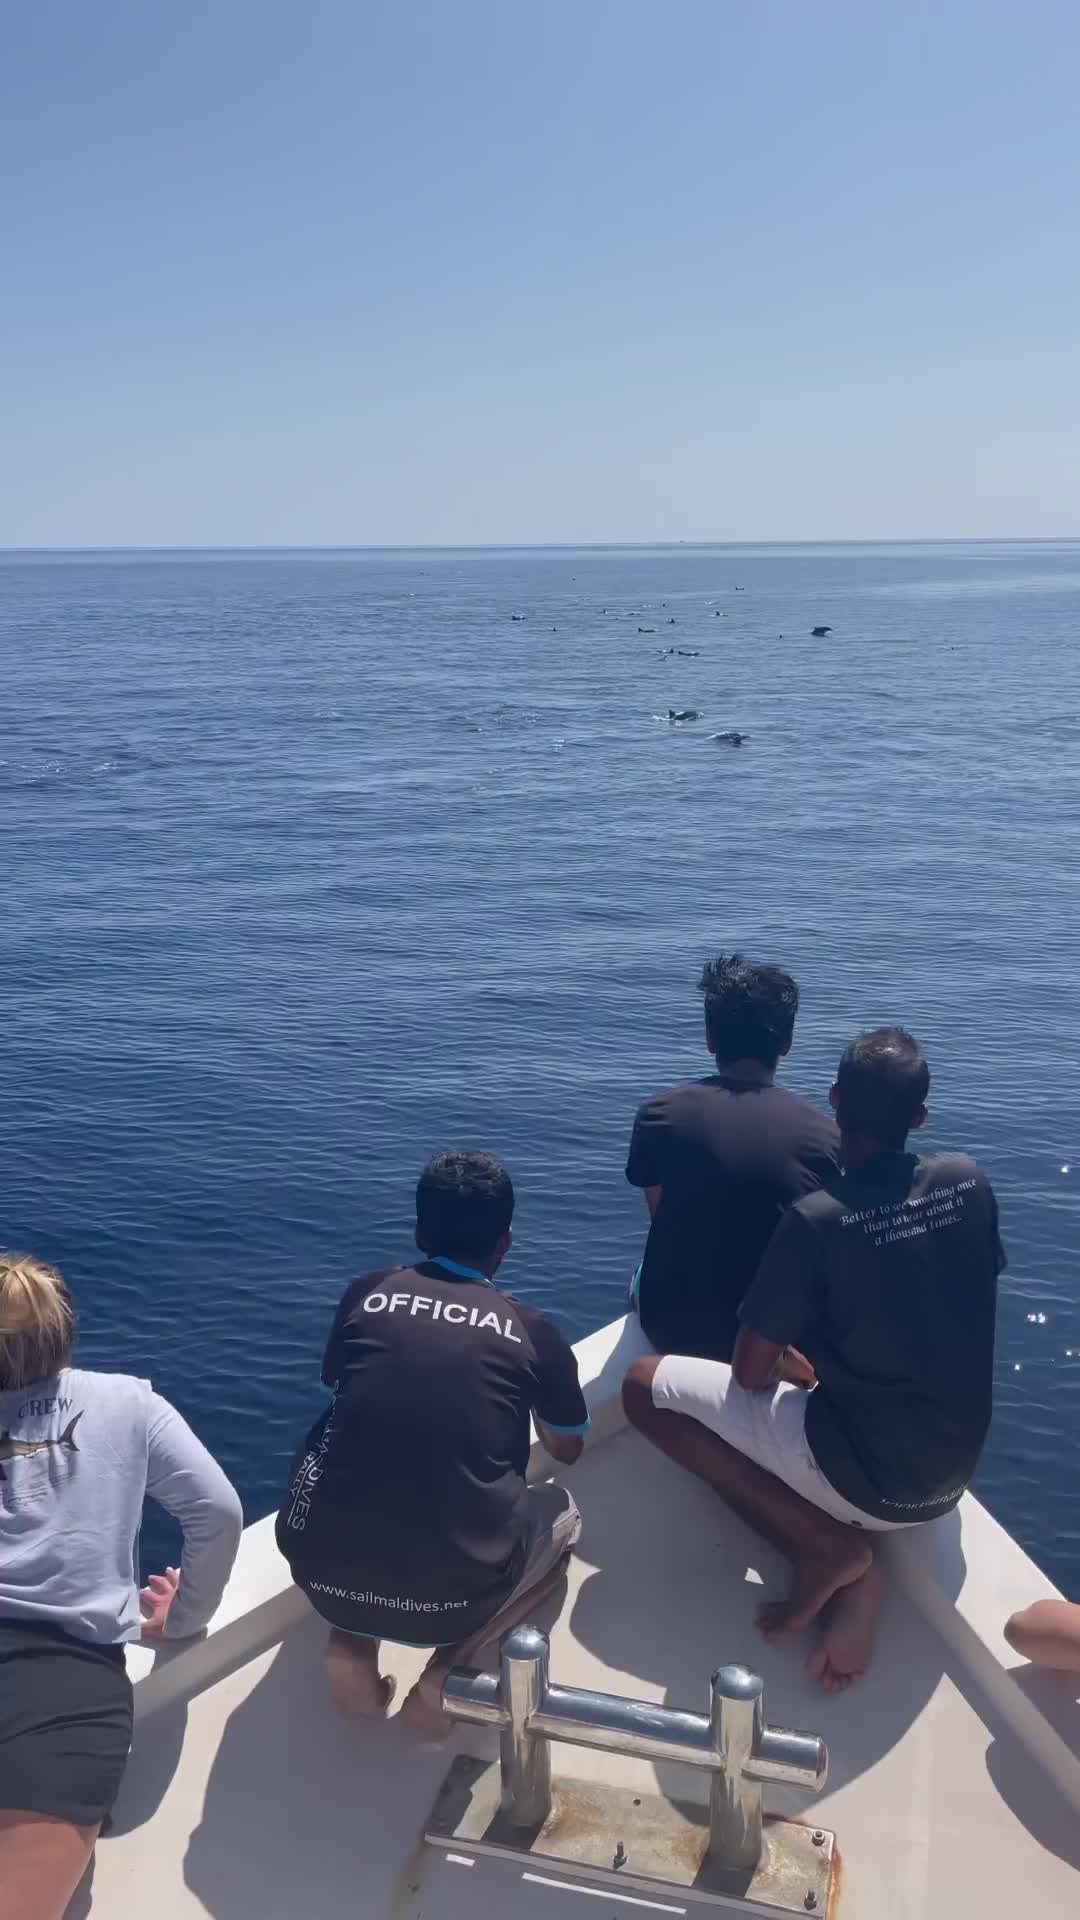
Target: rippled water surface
315,863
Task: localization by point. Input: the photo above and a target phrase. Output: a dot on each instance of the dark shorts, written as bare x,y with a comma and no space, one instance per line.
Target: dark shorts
552,1528
65,1723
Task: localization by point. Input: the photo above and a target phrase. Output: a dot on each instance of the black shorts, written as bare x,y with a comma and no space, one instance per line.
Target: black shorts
65,1723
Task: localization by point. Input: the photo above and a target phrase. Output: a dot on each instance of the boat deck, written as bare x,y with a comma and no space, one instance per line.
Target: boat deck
954,1784
954,1776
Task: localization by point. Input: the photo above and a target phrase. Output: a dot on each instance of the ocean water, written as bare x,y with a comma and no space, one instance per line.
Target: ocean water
315,863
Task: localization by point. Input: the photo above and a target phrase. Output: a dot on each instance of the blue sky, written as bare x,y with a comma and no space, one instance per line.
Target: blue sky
515,270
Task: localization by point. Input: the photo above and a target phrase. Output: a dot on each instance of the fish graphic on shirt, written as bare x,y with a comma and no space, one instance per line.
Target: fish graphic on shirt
14,1449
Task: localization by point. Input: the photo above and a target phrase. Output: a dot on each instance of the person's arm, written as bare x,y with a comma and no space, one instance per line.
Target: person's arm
642,1162
563,1447
780,1309
642,1166
333,1354
187,1481
559,1410
756,1361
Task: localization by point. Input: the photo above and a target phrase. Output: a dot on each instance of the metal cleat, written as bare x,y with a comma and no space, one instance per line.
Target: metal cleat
732,1855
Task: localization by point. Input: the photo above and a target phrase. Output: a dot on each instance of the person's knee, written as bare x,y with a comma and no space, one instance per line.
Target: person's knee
637,1395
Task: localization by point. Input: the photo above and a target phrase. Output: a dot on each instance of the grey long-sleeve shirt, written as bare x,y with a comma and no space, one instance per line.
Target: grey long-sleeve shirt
77,1455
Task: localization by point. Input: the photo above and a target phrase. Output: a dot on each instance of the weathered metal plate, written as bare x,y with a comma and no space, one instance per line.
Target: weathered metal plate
622,1839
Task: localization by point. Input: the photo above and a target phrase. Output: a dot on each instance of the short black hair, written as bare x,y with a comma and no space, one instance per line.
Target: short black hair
881,1083
749,1009
464,1205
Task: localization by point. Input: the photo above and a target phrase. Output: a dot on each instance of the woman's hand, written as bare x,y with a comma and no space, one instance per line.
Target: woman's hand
155,1599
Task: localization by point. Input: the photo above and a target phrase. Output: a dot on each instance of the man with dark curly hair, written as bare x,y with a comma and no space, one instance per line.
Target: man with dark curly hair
887,1277
720,1159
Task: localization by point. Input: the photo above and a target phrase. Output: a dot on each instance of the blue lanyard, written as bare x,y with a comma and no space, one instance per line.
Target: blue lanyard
454,1266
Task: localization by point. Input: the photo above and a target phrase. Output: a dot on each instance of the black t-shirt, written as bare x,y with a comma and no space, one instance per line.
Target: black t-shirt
408,1500
888,1282
729,1156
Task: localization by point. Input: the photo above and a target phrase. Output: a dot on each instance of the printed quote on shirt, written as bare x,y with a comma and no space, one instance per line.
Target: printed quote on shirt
909,1219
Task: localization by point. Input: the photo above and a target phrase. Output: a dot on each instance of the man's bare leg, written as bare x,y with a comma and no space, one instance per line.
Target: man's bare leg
1048,1634
825,1555
423,1706
351,1665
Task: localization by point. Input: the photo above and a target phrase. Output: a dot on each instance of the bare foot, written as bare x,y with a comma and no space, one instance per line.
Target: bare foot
814,1582
850,1626
357,1698
422,1711
356,1686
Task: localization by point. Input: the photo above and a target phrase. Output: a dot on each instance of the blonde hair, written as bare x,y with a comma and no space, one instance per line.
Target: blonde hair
37,1321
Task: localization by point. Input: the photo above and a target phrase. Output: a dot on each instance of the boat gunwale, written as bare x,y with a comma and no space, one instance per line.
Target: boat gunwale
963,1573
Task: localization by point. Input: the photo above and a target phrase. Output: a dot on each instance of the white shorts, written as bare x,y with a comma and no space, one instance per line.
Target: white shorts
768,1427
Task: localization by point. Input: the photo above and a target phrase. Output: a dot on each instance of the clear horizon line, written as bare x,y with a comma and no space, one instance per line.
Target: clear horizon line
554,546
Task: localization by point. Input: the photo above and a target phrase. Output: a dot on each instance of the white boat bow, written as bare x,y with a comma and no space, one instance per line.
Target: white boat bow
954,1776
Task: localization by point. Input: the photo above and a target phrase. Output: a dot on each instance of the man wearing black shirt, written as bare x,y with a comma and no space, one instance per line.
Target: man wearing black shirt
887,1280
720,1159
408,1516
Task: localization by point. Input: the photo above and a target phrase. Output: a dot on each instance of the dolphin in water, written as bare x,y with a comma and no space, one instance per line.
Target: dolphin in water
732,739
818,633
13,1449
682,713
